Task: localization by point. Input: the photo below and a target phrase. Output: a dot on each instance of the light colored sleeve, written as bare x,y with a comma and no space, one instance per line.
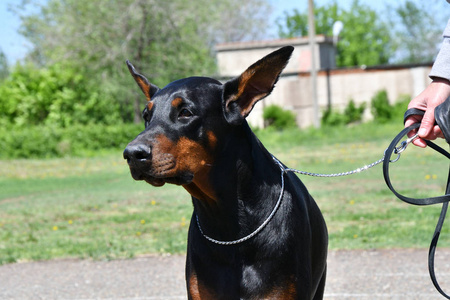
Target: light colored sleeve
441,66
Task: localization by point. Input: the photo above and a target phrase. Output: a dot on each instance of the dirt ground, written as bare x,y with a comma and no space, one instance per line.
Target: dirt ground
378,274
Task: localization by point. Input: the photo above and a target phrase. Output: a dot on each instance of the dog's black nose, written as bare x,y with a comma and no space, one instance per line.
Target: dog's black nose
137,152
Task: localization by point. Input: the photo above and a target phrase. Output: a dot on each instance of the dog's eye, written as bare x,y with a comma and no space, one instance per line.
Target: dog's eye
146,117
184,114
145,114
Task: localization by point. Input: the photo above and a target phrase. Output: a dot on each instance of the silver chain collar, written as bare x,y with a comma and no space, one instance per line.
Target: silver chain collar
241,240
284,170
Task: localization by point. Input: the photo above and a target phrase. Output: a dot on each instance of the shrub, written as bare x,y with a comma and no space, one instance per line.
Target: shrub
54,96
332,118
400,107
275,116
44,141
352,113
381,109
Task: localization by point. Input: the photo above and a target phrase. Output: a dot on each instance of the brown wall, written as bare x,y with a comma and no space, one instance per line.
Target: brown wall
294,91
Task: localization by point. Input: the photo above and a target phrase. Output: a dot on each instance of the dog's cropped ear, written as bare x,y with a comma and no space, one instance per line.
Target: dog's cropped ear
241,93
147,88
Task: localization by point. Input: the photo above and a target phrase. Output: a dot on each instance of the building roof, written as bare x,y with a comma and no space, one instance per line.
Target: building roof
271,43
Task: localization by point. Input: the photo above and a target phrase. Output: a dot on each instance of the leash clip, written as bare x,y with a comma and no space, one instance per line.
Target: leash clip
403,146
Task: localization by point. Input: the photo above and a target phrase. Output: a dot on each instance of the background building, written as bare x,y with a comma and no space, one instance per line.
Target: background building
335,86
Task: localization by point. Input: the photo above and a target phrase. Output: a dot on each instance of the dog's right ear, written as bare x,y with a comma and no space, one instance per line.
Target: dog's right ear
242,93
147,88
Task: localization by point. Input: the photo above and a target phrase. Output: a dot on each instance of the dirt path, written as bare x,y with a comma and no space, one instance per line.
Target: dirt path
385,274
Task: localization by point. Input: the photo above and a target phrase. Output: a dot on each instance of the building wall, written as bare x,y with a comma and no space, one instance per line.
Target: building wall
293,90
234,58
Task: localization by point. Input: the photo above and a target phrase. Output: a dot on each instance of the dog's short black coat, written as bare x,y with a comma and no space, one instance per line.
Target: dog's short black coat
196,136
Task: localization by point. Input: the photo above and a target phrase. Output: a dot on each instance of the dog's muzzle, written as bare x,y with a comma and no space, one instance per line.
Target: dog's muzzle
155,169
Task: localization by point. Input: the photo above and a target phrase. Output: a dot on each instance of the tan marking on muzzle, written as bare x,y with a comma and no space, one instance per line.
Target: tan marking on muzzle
189,156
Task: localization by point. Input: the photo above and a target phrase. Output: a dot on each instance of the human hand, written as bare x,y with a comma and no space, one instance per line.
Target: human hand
436,93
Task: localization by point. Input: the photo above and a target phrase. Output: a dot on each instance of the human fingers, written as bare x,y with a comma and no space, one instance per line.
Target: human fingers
427,124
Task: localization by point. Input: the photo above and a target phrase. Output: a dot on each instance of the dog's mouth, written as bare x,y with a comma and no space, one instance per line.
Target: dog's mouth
159,171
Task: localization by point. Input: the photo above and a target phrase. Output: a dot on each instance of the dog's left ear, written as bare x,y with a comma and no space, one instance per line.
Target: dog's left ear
241,93
147,88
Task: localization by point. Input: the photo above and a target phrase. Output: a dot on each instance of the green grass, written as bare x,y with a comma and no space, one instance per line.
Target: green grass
86,208
91,207
361,212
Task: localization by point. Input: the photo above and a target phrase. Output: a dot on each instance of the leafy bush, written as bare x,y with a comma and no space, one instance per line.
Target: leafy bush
54,96
275,116
383,111
400,106
45,141
333,118
352,113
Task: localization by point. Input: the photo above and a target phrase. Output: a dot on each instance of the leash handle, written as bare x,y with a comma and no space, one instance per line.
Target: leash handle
411,112
434,241
422,201
432,250
391,150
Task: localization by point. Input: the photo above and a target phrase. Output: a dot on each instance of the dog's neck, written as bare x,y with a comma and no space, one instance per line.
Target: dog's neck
231,206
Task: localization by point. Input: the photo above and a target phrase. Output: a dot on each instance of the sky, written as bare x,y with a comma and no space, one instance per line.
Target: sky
15,46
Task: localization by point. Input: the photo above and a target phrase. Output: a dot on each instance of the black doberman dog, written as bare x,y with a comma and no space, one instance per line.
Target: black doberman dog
256,233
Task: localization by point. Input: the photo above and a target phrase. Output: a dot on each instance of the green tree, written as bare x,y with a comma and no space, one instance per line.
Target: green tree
293,25
166,40
54,96
364,40
417,29
296,24
4,71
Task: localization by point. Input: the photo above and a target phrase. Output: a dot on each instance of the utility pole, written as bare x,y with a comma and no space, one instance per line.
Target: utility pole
312,45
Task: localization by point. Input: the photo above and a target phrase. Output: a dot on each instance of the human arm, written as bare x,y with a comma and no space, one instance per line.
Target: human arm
434,95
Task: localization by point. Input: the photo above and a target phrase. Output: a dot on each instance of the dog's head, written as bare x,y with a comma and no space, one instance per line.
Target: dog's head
186,121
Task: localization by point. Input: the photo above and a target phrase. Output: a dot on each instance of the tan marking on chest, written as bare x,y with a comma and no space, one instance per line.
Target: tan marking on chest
197,291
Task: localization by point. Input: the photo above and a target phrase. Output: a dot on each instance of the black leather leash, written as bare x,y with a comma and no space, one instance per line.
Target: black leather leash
392,149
